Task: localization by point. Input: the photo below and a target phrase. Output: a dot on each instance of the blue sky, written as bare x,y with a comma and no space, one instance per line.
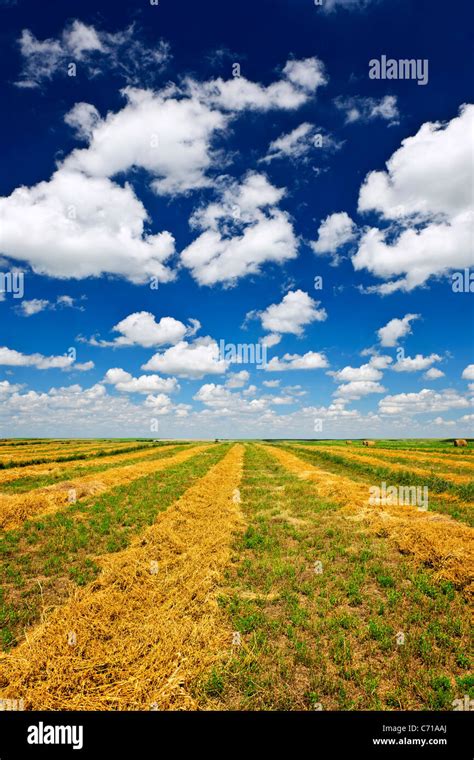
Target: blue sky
175,177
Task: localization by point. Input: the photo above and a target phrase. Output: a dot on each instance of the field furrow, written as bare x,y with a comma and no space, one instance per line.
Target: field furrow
139,635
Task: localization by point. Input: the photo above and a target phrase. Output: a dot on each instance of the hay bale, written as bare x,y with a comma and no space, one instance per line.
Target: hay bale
368,443
348,442
460,442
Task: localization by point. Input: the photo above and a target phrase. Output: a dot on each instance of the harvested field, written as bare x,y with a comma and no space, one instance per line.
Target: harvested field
433,539
14,509
22,477
235,576
370,458
455,499
142,631
319,602
36,456
46,558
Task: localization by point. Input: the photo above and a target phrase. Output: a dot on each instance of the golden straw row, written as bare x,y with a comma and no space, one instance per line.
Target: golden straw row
388,454
433,539
45,446
63,446
16,508
455,457
51,455
456,460
55,468
138,636
394,466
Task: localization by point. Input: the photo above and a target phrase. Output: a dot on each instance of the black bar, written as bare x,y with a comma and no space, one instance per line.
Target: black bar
154,734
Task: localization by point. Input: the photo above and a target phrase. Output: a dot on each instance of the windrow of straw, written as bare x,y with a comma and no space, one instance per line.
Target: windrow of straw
379,461
148,627
55,468
91,449
431,538
41,446
16,508
60,446
424,460
63,454
14,442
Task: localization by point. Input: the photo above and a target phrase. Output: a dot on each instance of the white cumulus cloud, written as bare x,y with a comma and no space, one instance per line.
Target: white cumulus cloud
296,310
425,400
393,331
309,360
193,360
238,379
124,381
80,227
142,329
433,374
468,372
300,80
415,363
242,231
334,232
426,192
9,357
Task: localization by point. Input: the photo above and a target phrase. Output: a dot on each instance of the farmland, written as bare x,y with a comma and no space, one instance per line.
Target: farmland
235,575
